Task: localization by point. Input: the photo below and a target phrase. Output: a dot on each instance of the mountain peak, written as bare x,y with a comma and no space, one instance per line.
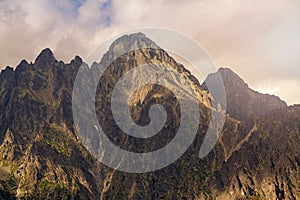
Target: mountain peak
242,101
230,75
134,35
46,55
6,71
134,40
76,60
127,43
227,70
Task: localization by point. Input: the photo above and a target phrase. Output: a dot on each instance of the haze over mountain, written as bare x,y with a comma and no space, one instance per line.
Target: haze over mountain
42,156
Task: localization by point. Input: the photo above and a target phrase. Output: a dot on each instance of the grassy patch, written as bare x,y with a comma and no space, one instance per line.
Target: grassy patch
51,190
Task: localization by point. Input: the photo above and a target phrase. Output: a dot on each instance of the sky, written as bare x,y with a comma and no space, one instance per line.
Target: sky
259,40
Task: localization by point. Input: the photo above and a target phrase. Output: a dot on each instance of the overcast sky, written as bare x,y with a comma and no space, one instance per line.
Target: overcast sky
260,40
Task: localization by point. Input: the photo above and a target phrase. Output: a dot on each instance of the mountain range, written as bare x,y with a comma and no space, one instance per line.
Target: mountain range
43,157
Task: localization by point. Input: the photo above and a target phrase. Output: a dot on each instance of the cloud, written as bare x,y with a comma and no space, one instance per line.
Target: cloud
260,40
26,27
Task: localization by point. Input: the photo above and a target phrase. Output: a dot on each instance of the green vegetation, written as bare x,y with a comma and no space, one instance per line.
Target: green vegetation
51,190
8,188
58,141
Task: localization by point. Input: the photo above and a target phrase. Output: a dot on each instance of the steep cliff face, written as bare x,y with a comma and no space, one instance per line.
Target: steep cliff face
41,155
265,163
259,144
38,143
170,182
40,149
134,50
